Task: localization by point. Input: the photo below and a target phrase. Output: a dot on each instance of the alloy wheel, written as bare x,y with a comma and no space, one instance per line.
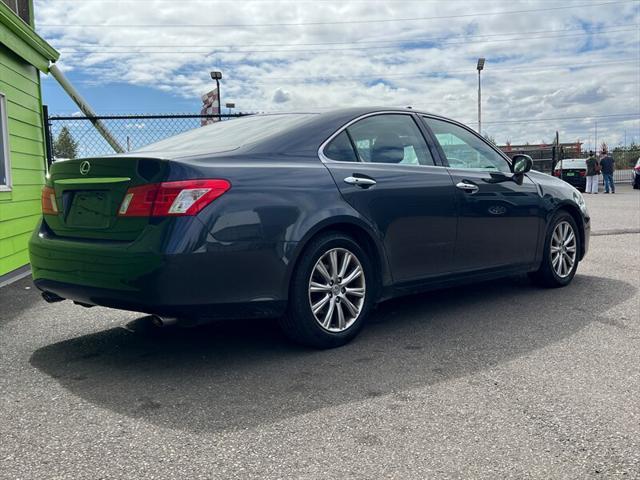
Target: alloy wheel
563,249
337,288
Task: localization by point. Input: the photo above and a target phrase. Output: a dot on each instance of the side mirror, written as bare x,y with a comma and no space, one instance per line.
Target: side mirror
521,164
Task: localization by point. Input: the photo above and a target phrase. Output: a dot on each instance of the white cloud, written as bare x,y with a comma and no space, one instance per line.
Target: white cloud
281,96
531,70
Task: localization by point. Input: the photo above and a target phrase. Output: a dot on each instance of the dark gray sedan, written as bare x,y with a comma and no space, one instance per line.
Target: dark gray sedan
310,217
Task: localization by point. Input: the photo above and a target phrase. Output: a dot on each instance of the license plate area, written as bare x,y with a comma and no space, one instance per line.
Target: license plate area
90,209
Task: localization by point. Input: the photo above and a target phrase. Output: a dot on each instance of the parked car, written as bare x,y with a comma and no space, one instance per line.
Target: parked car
636,175
310,217
573,171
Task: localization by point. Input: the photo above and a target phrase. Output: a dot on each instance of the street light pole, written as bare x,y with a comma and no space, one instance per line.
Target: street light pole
217,76
480,66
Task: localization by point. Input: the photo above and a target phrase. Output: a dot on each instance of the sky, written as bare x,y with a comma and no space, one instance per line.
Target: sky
569,66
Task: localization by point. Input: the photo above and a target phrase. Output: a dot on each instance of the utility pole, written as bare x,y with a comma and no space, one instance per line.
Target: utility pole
480,66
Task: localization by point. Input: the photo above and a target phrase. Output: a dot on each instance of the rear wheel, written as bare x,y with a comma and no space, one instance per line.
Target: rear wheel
561,252
331,292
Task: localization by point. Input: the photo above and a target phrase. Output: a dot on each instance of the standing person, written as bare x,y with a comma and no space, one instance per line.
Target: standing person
608,166
593,170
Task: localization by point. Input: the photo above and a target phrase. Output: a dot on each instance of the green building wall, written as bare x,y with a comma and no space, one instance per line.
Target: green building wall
23,56
20,207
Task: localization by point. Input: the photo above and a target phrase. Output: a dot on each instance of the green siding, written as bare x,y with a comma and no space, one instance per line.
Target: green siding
13,261
20,208
21,39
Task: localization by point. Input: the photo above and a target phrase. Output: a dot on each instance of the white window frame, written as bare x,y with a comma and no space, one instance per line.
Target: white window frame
4,127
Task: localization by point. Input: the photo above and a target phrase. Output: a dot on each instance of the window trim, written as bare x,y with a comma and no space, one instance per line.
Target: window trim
4,131
412,115
441,153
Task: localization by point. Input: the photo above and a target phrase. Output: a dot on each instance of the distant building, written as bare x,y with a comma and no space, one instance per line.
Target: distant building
543,154
23,55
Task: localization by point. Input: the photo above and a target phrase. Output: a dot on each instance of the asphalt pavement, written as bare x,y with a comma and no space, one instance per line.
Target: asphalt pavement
493,380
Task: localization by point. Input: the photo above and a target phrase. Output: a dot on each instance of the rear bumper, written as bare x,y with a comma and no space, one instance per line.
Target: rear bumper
240,279
578,182
124,300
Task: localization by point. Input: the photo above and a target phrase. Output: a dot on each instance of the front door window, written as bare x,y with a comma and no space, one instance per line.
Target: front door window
464,149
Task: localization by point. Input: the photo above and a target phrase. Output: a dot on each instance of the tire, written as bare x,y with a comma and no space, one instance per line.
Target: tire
300,323
551,274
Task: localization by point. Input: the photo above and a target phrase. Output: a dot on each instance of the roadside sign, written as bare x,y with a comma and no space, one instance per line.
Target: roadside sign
210,107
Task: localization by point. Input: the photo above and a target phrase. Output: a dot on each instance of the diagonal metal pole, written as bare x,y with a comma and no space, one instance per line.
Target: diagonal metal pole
85,108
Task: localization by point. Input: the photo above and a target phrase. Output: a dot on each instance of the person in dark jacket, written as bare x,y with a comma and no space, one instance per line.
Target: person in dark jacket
608,166
593,170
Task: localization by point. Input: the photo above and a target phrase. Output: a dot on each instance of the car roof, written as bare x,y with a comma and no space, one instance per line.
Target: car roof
354,112
363,110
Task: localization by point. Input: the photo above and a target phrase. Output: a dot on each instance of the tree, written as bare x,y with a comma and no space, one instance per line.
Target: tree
604,148
65,146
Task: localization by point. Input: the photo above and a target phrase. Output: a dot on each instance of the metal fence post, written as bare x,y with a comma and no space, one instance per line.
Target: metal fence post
47,135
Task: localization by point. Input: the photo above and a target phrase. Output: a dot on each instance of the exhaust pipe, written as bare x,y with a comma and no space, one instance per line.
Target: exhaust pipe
159,321
51,297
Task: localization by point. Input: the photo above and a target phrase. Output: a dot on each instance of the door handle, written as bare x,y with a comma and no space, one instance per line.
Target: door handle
363,182
467,187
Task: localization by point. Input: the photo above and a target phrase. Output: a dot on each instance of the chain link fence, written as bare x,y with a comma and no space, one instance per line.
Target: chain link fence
77,137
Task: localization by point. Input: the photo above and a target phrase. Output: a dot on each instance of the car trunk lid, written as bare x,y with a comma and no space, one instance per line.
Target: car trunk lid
89,192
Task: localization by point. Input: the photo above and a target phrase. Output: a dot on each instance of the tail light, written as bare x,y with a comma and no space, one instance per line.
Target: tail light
186,197
583,173
556,173
49,205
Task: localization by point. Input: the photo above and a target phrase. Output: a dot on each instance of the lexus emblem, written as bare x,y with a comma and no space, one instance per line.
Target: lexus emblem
85,167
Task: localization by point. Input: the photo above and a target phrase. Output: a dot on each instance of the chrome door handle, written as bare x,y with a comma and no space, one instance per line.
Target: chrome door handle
360,181
467,187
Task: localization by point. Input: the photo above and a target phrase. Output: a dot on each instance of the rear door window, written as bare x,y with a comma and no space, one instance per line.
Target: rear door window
390,138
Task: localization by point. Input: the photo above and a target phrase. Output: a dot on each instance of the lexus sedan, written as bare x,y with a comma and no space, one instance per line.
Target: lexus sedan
310,217
572,171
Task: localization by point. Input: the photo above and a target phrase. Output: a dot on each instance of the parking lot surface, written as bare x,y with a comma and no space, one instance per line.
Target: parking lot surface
493,380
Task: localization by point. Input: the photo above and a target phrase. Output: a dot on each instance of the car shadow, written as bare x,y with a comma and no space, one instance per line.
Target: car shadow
241,374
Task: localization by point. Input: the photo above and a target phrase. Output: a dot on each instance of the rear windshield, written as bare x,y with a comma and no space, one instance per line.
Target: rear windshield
573,163
227,134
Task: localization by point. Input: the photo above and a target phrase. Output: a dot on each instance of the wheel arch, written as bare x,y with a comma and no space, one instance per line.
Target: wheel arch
357,229
576,214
